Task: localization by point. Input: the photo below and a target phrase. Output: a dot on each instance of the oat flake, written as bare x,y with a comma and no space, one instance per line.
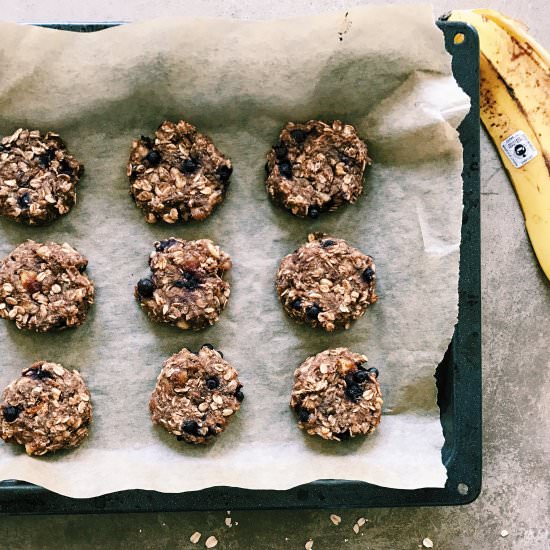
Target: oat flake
211,541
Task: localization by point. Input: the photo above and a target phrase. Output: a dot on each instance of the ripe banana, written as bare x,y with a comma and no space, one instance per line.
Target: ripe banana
515,110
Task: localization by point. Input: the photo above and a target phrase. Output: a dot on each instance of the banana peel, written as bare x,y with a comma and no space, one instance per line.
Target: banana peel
516,29
515,110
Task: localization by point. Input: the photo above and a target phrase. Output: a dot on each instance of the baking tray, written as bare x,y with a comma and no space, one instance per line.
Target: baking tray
458,376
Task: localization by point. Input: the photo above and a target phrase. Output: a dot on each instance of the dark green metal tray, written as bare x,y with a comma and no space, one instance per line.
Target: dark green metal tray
458,378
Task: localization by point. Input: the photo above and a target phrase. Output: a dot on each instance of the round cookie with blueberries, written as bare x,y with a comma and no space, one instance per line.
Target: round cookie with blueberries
38,177
179,175
47,409
336,395
326,283
186,286
196,395
316,167
44,287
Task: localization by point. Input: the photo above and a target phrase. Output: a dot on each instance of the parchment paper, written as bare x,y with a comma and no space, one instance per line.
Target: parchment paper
240,82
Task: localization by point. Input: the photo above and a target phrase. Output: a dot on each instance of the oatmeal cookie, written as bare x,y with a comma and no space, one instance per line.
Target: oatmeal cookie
186,287
48,408
196,395
336,396
179,175
316,167
326,283
38,177
43,287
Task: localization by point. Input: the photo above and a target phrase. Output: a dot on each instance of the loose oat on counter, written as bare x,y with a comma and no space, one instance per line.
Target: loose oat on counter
179,175
196,395
326,283
336,395
185,287
38,177
316,167
48,408
44,287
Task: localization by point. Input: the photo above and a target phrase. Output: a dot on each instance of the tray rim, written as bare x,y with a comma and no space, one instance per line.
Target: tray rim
463,360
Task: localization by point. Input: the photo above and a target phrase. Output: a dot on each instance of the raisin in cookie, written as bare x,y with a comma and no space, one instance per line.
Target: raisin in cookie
43,287
326,283
38,177
185,288
48,408
179,175
196,395
336,396
316,167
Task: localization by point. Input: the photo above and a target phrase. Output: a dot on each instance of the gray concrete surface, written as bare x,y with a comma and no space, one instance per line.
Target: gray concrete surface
516,319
